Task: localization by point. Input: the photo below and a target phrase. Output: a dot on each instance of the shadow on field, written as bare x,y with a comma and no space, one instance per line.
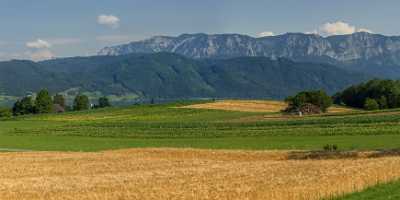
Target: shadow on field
325,155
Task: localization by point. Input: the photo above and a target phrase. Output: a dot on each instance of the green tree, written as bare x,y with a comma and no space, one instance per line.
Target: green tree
385,92
383,104
318,98
24,106
43,102
104,102
81,102
371,104
59,99
5,113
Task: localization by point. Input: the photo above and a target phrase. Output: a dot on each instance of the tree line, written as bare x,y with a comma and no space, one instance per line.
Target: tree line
372,95
45,103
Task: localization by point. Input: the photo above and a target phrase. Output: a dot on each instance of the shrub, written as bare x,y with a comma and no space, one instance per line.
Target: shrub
104,102
330,147
371,104
5,113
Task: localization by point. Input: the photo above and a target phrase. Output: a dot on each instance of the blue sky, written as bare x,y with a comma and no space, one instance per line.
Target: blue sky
40,29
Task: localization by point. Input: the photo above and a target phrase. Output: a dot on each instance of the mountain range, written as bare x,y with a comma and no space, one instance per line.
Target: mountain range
375,54
211,66
173,76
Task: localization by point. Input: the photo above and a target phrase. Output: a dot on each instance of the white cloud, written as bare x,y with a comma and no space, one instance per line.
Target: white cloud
266,34
364,30
38,44
40,49
40,55
41,52
108,20
337,28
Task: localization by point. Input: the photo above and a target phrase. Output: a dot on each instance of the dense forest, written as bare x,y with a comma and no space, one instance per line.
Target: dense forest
171,76
374,94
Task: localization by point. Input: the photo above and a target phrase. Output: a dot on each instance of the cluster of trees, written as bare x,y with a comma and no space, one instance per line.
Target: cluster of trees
372,95
318,99
45,103
27,105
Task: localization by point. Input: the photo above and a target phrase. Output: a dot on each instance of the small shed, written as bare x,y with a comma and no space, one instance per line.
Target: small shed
309,109
57,108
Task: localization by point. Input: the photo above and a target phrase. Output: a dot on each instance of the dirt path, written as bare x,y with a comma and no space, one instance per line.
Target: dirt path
184,174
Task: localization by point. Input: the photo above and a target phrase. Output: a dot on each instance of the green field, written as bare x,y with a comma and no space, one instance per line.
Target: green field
169,126
381,192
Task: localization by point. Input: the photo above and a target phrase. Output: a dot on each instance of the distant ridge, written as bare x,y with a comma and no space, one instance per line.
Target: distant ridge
371,53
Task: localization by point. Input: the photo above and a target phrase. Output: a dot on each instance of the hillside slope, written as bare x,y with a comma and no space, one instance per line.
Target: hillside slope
171,76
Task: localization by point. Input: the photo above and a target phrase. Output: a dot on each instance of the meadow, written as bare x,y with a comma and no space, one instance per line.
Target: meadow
201,145
173,125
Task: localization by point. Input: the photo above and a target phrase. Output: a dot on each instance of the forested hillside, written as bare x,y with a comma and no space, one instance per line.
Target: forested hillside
171,76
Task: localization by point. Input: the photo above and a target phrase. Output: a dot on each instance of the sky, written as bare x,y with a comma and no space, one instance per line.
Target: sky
44,29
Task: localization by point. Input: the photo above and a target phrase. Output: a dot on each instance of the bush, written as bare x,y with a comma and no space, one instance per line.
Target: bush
330,147
371,104
318,98
104,102
5,113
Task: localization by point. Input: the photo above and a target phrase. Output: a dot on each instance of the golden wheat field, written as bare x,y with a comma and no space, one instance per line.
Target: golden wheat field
254,106
185,174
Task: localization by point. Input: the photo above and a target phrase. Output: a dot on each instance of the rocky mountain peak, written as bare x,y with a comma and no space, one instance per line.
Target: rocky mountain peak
362,47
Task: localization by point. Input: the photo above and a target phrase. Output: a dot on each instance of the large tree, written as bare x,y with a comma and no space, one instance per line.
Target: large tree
81,102
43,102
317,98
104,102
24,106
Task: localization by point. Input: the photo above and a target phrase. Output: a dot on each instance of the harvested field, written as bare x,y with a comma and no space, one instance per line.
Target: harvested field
242,105
185,174
254,106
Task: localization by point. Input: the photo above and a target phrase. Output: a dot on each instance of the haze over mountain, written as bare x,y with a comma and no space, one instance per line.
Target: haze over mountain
375,54
172,76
